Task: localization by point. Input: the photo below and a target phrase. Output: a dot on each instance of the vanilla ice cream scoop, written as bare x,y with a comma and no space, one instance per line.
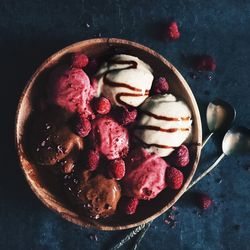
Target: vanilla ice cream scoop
165,123
125,80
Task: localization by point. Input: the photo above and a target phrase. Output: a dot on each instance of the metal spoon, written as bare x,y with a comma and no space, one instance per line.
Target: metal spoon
236,141
220,116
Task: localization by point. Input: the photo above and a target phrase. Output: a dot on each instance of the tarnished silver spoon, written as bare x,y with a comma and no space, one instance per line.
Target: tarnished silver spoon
220,116
236,141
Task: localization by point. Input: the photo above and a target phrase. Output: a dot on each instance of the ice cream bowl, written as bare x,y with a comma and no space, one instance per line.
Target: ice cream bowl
46,186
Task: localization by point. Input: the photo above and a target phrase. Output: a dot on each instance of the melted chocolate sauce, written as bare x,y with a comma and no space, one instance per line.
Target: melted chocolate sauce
131,65
165,118
156,128
153,144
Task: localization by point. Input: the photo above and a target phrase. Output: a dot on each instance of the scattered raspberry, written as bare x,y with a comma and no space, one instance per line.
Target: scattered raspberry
204,201
103,106
174,178
180,157
128,116
93,159
161,86
83,126
79,60
173,31
129,205
117,169
205,63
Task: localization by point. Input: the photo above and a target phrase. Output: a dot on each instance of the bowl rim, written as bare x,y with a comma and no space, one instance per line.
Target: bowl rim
77,220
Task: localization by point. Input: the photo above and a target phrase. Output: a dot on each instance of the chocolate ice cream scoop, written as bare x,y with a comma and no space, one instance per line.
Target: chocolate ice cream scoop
52,141
95,194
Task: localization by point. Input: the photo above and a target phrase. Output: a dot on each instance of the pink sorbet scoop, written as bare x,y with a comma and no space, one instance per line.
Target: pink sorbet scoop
71,90
109,137
145,175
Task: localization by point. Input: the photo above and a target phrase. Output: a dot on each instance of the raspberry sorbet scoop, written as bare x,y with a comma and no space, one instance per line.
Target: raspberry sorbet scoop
145,175
109,137
70,89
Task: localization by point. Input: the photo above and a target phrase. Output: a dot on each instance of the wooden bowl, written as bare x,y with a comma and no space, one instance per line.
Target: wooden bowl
44,185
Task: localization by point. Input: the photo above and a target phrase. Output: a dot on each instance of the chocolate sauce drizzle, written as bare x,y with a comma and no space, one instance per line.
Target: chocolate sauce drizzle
131,65
165,118
148,145
156,128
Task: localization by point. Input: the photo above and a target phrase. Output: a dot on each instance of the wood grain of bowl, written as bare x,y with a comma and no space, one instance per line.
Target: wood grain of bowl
45,187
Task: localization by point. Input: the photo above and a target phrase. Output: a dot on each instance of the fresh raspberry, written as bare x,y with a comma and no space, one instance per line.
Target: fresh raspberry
129,205
180,157
117,169
128,116
174,178
161,86
93,159
83,126
79,60
205,63
102,106
204,201
173,31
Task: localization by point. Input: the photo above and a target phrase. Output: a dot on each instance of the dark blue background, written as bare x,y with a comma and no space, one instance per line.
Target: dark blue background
30,31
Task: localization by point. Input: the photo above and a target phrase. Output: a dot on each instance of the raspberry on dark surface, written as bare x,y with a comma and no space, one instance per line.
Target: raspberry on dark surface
174,178
180,157
161,86
129,205
116,169
204,63
82,126
102,106
203,200
173,31
79,60
93,159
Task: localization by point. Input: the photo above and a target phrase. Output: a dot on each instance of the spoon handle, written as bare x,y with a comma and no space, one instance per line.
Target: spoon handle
131,235
207,139
141,235
206,172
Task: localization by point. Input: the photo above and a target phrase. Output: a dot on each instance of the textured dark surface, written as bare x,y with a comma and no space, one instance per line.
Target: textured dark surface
30,31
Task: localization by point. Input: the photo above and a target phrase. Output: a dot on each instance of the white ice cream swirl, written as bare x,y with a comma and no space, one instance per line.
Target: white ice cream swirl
125,80
165,124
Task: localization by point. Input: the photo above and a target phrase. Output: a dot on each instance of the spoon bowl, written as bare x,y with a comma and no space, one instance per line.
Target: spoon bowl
236,141
220,115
